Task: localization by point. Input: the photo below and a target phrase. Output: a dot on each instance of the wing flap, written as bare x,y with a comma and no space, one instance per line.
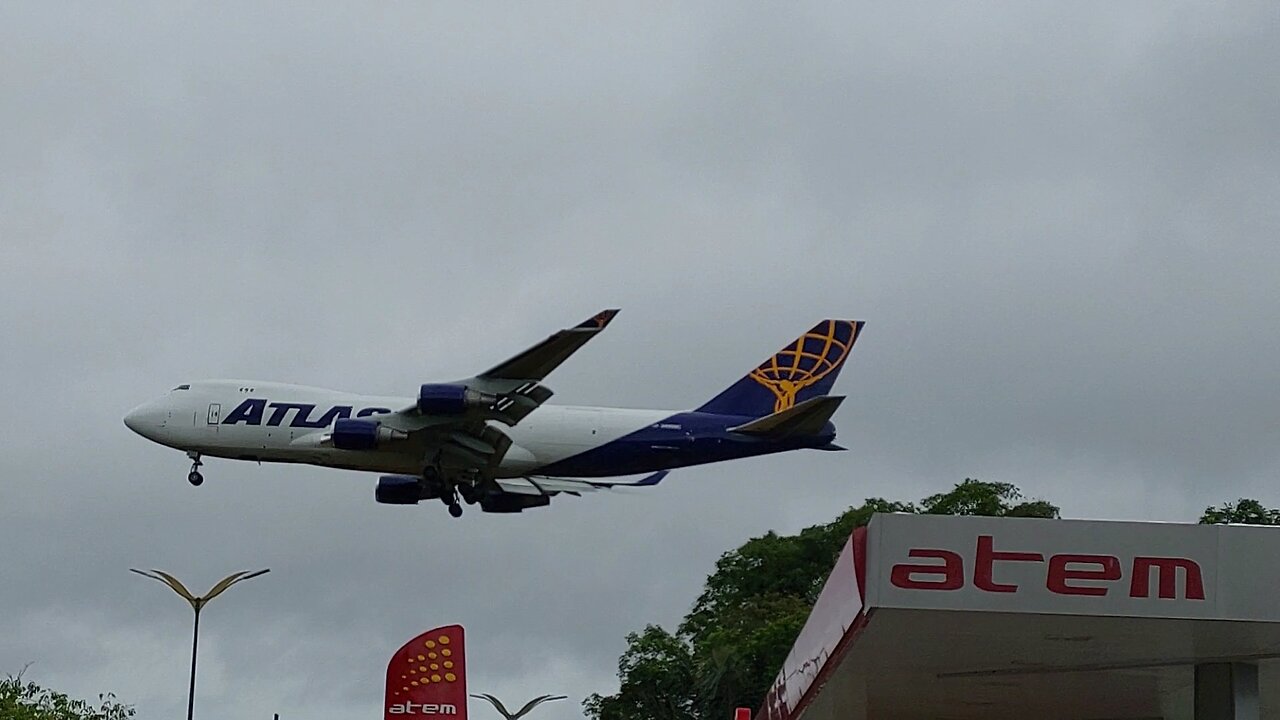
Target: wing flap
514,406
806,418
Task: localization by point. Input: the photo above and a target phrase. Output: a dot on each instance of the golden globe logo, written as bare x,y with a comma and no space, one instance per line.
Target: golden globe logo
413,708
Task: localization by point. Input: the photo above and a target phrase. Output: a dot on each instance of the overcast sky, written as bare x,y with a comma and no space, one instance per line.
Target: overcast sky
1059,220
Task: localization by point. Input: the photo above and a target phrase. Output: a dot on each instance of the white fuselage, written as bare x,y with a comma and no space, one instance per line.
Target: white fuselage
199,418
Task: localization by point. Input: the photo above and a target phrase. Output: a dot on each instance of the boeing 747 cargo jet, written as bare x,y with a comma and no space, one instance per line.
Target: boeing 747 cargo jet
490,440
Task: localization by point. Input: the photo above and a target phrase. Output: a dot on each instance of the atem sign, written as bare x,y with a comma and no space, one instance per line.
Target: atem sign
1142,576
427,677
412,708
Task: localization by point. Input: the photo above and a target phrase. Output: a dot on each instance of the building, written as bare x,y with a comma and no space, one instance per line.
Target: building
972,618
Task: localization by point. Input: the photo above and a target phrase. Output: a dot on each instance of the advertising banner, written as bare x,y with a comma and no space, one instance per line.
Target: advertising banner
1024,565
427,677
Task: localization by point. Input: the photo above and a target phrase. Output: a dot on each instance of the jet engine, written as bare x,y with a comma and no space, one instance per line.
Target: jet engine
362,434
405,490
437,399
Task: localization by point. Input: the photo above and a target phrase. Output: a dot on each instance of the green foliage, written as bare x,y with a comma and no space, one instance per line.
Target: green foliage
1244,511
728,650
657,673
20,700
993,499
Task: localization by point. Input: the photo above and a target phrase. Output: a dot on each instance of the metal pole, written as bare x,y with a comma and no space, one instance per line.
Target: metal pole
195,642
197,603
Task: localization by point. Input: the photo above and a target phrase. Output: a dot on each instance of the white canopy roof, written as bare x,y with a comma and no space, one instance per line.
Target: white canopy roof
990,618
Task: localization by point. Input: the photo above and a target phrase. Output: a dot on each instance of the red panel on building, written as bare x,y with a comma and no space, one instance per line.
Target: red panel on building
825,636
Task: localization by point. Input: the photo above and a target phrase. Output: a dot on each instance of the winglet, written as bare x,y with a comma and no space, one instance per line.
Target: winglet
598,321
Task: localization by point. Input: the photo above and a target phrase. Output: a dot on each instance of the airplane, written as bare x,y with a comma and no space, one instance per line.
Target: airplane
491,440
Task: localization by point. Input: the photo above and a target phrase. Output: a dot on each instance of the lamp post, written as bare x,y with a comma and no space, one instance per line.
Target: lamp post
197,603
502,710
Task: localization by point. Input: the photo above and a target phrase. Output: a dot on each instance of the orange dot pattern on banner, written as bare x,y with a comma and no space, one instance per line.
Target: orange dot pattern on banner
419,675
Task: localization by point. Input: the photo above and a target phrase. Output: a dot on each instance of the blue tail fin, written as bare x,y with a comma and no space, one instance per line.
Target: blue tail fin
807,368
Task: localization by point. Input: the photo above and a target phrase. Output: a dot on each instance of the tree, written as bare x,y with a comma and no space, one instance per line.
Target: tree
20,700
730,645
996,499
656,673
1245,511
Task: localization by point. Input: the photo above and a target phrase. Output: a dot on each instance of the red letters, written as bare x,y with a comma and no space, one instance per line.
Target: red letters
1059,573
1167,572
952,571
1066,574
983,570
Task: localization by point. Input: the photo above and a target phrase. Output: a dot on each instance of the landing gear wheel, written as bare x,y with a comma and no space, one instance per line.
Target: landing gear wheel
469,494
455,507
194,477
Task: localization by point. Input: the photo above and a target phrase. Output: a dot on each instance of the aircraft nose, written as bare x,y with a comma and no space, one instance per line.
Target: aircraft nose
144,420
133,420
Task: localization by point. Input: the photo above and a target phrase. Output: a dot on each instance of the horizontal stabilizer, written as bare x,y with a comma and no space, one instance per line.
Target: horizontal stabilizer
806,418
653,479
543,485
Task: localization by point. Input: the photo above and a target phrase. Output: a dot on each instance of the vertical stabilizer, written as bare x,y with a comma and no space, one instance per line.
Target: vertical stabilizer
807,368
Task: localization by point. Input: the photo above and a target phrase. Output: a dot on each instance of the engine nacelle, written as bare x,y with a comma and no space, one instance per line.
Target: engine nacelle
405,490
438,399
360,434
398,490
510,503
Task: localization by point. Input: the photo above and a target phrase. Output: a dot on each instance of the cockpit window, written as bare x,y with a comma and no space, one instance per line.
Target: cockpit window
181,387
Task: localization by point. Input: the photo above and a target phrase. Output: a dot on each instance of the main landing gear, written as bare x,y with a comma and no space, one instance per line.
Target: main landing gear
194,477
450,498
432,477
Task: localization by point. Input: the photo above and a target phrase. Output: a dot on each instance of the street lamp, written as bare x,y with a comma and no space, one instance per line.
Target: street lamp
197,603
502,710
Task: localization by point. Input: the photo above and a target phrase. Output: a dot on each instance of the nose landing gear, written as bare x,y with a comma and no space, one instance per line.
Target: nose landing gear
194,477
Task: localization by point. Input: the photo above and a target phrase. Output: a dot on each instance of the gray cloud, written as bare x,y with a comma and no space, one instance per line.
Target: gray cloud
1058,221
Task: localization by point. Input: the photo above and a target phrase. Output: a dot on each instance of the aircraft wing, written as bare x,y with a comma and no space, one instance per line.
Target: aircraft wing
543,485
538,361
502,395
